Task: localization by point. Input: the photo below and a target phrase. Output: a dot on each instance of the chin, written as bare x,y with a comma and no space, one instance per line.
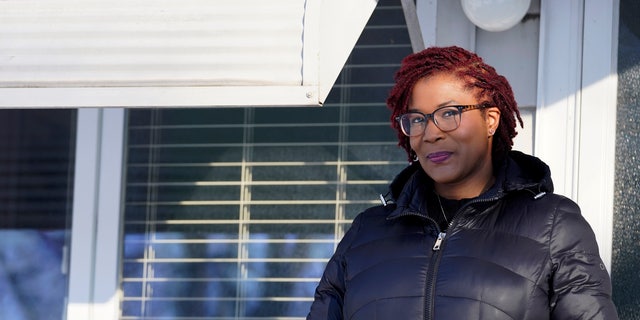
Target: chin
444,177
438,176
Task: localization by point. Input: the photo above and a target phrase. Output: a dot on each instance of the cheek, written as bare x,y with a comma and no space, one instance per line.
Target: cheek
469,139
473,132
415,143
476,143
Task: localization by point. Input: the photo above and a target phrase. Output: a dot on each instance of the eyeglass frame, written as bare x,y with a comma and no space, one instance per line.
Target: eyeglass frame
461,109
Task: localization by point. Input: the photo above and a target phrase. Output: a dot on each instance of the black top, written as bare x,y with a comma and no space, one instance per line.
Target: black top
440,207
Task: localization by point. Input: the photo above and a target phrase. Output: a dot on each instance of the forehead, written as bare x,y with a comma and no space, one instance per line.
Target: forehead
441,89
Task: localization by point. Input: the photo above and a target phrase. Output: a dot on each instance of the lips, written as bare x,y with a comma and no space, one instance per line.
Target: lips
439,157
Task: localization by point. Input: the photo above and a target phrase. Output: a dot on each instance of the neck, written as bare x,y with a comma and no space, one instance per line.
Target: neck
457,191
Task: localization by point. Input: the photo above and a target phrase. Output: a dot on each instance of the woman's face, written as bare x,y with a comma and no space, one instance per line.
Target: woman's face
459,161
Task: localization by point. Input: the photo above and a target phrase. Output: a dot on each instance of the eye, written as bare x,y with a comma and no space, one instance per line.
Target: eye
415,118
448,113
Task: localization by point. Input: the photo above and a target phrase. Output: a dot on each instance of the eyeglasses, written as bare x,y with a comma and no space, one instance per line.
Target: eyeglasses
446,118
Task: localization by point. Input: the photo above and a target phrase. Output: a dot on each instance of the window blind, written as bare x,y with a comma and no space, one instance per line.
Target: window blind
36,164
232,213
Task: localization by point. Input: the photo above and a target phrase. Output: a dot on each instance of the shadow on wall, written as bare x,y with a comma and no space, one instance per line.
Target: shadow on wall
626,252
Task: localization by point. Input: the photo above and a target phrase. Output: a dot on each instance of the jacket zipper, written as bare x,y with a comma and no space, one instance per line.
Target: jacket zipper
441,235
434,263
430,287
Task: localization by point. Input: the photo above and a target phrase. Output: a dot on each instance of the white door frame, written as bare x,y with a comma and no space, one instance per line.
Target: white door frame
576,116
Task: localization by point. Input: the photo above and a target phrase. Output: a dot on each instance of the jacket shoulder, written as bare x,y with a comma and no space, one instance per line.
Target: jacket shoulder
374,224
542,207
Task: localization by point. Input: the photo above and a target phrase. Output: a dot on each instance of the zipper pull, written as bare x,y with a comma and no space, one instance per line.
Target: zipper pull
441,236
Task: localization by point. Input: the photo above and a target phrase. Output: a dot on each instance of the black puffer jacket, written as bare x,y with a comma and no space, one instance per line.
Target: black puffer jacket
516,252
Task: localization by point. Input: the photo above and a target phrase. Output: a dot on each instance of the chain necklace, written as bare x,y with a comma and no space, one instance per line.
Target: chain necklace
442,209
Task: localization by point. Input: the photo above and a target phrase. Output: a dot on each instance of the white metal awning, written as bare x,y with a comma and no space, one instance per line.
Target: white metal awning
159,53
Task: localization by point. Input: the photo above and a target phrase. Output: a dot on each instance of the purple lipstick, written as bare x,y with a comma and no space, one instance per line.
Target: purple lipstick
439,157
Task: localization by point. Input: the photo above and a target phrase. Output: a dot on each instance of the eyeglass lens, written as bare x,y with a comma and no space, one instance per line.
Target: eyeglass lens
446,119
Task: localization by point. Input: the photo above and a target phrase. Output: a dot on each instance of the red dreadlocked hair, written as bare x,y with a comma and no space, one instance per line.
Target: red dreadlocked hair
491,87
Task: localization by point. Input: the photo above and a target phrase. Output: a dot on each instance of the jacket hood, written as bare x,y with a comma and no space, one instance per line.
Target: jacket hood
518,171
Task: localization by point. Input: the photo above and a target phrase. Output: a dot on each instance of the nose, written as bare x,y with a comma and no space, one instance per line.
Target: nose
431,132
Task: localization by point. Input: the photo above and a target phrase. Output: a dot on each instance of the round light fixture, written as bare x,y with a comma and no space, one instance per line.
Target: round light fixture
495,15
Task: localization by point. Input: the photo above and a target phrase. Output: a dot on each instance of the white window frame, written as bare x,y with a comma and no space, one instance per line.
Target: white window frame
97,210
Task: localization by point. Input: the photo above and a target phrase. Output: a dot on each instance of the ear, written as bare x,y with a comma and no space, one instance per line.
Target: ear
492,118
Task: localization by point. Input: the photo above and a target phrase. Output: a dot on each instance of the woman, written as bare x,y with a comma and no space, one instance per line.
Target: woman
472,229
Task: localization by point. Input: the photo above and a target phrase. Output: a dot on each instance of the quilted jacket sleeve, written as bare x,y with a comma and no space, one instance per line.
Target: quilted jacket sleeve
328,299
581,286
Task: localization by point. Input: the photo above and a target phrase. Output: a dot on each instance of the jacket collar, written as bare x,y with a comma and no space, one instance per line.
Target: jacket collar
517,172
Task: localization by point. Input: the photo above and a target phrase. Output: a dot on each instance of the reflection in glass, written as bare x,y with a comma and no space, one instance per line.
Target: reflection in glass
36,166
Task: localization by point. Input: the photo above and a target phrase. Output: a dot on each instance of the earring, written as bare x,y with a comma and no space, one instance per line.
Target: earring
491,132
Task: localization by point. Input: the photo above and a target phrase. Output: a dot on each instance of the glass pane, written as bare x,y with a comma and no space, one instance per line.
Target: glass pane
36,188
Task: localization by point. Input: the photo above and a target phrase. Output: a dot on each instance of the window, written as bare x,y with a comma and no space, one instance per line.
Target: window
232,213
36,165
